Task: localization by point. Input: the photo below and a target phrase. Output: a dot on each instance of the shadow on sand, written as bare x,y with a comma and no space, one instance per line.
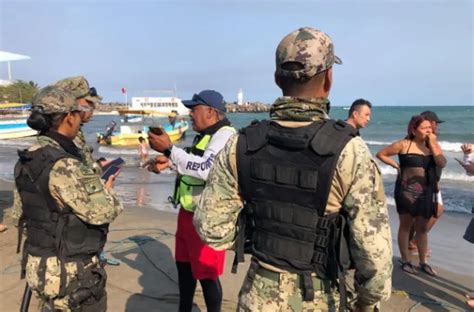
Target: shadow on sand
6,201
433,293
158,279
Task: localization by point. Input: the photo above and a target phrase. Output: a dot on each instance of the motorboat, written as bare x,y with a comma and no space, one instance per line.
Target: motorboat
13,118
129,133
15,128
155,106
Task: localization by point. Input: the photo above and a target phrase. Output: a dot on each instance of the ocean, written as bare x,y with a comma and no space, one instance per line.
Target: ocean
138,187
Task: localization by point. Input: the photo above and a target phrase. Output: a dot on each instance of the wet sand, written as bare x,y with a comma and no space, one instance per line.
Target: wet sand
142,238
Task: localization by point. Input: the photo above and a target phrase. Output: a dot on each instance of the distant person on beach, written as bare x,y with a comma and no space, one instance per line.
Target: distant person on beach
359,114
417,183
302,194
172,118
143,150
65,208
194,259
435,121
88,97
467,164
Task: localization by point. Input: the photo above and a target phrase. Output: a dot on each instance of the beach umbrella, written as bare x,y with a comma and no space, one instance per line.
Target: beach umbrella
10,57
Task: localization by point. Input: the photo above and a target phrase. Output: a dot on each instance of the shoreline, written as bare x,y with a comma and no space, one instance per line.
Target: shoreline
142,238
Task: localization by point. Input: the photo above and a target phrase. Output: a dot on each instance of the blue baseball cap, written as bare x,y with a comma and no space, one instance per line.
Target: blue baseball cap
209,98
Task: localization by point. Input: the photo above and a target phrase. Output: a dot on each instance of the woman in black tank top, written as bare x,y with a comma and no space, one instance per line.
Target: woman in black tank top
415,189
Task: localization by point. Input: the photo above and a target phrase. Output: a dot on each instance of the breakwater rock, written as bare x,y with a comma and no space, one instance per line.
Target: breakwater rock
257,107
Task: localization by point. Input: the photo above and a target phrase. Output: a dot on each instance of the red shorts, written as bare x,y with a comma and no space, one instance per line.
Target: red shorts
206,262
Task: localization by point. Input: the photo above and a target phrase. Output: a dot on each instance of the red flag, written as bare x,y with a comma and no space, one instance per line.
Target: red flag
124,90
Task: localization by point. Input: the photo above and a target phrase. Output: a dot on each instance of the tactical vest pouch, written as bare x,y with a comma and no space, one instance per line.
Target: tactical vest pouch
300,177
288,138
77,246
88,289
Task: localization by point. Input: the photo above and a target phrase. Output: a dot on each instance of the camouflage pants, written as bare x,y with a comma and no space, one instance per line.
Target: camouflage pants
52,283
284,295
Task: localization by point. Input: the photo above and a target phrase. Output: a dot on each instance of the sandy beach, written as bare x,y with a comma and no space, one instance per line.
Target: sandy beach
142,238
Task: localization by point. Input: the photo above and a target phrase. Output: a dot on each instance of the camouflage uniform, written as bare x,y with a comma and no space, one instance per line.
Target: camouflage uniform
72,184
79,87
85,149
356,188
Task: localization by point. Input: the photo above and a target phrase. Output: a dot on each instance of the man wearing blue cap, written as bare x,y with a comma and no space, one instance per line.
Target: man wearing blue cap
195,260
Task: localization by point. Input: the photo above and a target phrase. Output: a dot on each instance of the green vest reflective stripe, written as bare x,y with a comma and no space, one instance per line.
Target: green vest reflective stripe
201,145
189,188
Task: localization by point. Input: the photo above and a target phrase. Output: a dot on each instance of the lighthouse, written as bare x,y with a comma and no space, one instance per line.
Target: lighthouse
240,97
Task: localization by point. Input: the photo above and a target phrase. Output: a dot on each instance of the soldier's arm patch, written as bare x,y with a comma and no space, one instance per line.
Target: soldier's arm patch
92,185
79,188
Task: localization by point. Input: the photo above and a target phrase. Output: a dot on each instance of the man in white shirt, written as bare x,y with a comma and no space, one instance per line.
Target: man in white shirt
195,260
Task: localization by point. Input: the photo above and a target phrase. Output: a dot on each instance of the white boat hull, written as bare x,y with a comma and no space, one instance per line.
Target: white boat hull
16,128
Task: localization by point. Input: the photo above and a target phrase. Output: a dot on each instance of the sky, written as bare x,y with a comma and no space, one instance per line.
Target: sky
393,52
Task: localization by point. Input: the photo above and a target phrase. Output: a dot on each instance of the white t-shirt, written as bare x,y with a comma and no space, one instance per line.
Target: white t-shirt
199,166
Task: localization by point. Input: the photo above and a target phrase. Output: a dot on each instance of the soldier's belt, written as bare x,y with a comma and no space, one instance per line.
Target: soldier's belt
275,276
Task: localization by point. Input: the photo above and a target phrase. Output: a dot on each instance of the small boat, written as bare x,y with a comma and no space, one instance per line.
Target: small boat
15,128
14,106
132,118
129,133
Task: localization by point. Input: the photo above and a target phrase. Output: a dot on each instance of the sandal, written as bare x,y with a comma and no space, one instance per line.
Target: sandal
407,267
425,267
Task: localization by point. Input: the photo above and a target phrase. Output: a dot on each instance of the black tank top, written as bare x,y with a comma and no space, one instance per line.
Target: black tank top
415,189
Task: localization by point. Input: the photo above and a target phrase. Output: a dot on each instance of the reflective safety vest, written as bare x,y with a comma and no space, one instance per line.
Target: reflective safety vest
188,189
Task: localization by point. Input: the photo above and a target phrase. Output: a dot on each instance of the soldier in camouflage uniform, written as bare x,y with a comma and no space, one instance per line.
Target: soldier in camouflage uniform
87,97
290,205
65,207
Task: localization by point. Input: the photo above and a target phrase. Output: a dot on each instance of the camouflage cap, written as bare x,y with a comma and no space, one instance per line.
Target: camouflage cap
50,100
310,47
79,86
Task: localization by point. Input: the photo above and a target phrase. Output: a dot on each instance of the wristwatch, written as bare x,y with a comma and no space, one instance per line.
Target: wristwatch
167,152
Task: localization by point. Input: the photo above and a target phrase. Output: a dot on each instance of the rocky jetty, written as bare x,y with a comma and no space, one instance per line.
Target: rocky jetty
256,107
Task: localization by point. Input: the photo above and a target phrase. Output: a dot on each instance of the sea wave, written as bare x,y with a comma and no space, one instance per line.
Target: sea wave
459,205
17,142
117,151
445,146
447,174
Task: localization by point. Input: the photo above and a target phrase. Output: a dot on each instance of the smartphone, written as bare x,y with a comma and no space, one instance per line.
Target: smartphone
112,170
117,162
156,130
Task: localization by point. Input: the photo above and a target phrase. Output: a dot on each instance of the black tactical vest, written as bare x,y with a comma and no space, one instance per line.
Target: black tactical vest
285,175
52,231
